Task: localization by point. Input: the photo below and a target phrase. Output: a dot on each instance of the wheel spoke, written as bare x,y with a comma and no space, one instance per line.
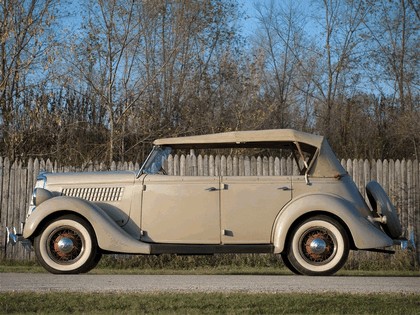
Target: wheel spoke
317,236
65,245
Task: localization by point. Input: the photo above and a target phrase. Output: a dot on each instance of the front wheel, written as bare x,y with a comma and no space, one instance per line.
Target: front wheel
319,246
67,245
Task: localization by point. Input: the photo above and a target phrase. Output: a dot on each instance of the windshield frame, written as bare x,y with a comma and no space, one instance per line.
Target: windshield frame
154,160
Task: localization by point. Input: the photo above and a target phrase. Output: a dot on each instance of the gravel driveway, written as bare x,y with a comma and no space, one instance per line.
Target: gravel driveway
205,283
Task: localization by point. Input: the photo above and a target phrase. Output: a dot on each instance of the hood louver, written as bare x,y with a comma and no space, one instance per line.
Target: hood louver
95,194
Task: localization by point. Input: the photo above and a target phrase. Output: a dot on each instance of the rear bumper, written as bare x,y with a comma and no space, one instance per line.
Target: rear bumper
403,242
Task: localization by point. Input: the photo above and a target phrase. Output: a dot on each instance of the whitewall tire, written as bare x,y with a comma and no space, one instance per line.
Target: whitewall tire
67,245
318,246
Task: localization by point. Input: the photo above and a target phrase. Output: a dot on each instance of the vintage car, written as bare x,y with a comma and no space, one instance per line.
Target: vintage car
312,216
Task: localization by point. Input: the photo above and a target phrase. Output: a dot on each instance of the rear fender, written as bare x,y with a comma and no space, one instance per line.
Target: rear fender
364,234
110,236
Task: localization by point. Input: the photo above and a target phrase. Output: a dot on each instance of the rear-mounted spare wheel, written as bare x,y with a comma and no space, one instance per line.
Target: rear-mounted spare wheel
383,207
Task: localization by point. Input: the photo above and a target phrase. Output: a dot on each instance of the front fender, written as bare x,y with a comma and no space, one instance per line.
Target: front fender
364,234
110,236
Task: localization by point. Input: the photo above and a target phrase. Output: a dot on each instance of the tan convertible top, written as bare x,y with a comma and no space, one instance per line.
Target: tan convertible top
273,135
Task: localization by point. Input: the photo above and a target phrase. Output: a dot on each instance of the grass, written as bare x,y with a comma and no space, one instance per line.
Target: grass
208,303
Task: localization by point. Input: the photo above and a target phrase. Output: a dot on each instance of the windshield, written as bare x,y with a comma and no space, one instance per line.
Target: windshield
154,162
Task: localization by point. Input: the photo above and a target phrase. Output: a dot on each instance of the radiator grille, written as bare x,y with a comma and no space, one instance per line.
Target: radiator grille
95,194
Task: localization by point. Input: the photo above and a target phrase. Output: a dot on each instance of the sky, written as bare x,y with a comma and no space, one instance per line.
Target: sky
249,24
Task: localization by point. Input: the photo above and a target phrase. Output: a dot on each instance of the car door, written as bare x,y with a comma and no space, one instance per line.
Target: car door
181,209
249,206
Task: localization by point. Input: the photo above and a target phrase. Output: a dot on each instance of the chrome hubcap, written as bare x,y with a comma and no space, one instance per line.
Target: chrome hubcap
318,246
65,245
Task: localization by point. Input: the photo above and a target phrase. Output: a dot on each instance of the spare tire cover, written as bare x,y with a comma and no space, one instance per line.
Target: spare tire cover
380,203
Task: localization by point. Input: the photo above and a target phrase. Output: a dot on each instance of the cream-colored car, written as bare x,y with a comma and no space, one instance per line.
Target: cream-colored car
312,217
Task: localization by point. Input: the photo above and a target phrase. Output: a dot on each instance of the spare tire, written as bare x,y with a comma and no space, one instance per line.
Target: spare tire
381,204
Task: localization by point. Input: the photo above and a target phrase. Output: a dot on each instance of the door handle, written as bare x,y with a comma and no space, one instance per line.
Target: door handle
221,187
284,188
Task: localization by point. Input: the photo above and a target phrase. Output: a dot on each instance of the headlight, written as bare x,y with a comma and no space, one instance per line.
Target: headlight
39,196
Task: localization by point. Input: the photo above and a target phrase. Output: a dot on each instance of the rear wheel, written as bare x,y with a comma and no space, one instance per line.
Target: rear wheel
67,245
318,246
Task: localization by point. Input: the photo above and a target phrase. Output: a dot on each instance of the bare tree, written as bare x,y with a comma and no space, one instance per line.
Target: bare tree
184,45
281,40
304,73
393,30
104,60
145,64
339,56
25,44
393,69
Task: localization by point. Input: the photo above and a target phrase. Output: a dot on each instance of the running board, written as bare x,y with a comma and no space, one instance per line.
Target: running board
182,249
380,250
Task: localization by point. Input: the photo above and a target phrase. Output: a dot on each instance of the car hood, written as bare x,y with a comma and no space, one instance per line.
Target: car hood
88,178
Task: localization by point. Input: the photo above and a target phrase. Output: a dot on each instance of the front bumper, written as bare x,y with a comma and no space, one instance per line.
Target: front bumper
12,238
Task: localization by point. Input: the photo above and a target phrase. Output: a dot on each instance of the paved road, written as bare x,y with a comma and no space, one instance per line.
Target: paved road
197,283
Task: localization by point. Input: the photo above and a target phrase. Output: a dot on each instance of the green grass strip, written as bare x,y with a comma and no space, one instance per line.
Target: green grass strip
208,303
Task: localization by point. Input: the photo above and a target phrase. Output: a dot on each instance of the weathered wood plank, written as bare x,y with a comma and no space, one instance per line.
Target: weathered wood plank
3,209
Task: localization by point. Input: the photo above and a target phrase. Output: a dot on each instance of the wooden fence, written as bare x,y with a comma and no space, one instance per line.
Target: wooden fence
400,180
